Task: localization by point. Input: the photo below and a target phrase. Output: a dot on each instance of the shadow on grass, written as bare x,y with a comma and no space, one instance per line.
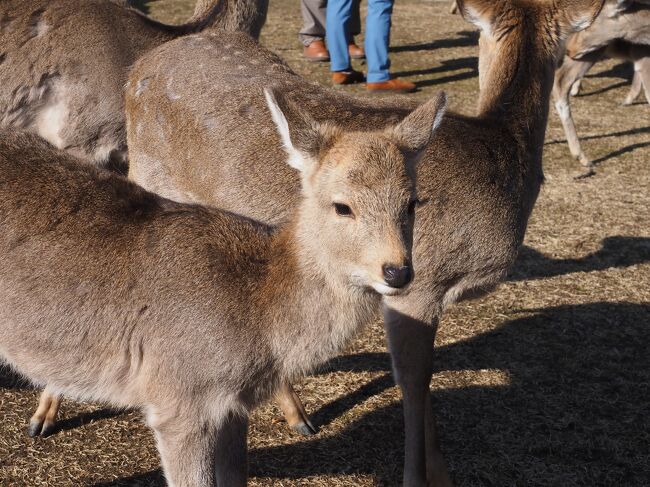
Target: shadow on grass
85,418
617,251
574,411
466,38
469,65
622,133
621,151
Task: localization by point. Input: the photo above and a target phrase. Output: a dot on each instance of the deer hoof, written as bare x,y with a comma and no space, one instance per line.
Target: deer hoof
305,428
34,429
40,428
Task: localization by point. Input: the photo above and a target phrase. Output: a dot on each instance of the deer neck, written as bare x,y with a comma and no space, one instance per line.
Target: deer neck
312,315
516,89
230,15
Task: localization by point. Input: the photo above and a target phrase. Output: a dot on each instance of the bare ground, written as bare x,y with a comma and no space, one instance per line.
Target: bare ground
544,382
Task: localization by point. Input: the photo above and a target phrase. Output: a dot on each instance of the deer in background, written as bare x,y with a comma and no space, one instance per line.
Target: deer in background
621,31
200,135
191,314
63,65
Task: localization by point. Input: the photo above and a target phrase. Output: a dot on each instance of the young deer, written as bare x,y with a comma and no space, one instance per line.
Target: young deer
63,65
477,181
622,31
194,315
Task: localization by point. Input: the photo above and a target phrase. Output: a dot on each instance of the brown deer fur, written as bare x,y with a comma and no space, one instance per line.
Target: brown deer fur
477,180
621,31
194,315
64,63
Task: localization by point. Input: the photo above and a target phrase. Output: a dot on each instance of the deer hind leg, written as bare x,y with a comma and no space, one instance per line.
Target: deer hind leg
571,71
43,421
197,453
293,410
642,69
635,88
410,342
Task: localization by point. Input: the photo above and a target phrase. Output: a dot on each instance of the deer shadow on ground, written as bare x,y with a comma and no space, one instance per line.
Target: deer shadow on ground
615,251
573,410
466,38
468,65
622,133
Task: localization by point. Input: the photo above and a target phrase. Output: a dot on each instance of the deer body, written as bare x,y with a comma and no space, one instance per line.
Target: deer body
64,64
477,180
621,31
192,314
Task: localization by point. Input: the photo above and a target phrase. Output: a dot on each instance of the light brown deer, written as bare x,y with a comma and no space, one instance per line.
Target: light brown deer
477,181
63,66
621,31
191,314
64,63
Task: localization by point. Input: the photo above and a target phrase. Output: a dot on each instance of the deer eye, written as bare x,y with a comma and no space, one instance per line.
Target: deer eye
412,206
342,209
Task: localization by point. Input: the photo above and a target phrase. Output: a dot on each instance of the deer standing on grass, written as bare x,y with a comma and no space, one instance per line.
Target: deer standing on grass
196,133
192,314
63,65
621,31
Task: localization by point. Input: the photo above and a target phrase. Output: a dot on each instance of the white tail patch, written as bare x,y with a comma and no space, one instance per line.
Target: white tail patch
296,159
51,120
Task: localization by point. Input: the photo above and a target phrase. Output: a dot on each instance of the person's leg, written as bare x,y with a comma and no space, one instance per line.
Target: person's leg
354,29
313,21
338,20
377,39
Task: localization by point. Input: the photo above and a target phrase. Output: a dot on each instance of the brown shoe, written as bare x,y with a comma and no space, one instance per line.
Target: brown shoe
355,51
395,84
347,77
316,52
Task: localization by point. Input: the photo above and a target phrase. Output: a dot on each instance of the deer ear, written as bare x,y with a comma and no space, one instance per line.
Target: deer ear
303,138
415,131
478,12
577,15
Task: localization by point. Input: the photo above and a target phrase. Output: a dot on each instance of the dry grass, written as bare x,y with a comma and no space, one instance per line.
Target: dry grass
544,382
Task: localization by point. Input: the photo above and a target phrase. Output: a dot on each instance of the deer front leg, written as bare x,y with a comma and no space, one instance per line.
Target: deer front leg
202,453
635,88
642,71
410,342
571,71
293,410
44,419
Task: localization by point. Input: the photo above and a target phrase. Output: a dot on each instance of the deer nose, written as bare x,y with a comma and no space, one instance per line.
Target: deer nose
397,276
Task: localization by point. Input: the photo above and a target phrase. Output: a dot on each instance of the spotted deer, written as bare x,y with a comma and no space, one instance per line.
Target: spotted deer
64,63
63,66
191,314
621,31
204,141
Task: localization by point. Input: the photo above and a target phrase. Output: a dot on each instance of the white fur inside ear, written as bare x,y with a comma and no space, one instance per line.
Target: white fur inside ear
296,159
440,114
472,15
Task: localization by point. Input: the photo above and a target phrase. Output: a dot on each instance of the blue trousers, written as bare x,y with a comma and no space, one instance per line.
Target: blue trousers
339,13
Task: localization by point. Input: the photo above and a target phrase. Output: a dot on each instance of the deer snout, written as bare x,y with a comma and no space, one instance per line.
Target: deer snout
397,276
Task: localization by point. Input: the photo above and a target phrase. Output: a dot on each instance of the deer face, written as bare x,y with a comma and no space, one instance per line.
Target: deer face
359,194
